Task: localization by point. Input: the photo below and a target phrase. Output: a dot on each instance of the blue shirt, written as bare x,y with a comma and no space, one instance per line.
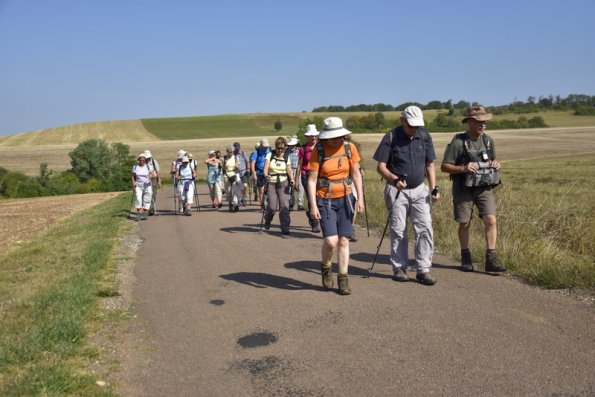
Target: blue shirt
406,156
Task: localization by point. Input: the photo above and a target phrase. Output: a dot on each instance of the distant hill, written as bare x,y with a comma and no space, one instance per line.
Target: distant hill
223,126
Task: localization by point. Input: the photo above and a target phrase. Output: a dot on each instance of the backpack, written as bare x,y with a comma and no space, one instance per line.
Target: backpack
260,159
326,183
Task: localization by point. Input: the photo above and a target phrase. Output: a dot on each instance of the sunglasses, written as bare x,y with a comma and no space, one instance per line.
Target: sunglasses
280,147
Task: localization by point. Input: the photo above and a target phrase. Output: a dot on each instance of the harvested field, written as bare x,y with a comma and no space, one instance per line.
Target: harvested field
23,219
510,144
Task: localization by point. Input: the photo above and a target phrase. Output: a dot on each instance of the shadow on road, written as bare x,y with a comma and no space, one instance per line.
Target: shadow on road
264,280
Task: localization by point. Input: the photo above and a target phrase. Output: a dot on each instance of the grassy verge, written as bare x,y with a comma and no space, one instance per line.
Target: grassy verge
49,296
546,221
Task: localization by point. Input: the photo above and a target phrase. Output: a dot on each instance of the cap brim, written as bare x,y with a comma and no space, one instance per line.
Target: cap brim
333,134
415,122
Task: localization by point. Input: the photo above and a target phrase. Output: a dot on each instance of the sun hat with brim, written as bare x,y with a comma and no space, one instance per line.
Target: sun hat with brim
333,128
311,130
211,152
292,141
185,159
478,113
181,153
147,154
141,155
414,116
190,155
264,142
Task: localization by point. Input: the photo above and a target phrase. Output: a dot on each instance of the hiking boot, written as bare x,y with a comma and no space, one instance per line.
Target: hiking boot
492,265
300,207
187,212
286,232
327,277
401,275
236,208
267,225
466,261
243,202
353,237
230,207
426,278
315,226
343,282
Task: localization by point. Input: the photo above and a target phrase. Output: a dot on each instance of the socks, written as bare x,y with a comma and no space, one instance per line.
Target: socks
327,265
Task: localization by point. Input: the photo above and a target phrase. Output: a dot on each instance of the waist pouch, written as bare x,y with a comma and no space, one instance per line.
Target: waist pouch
187,185
485,176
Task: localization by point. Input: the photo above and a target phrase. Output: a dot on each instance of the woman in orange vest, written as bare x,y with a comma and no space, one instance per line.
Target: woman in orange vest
334,173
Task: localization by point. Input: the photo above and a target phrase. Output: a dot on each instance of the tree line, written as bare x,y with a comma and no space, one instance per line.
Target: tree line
95,167
580,103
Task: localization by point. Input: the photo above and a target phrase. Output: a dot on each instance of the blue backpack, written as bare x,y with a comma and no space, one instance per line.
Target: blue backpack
260,159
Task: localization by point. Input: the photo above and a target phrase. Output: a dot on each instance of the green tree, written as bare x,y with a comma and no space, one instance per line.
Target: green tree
278,125
91,159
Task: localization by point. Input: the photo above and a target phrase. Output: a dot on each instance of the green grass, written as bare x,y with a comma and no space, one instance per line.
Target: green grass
49,294
546,221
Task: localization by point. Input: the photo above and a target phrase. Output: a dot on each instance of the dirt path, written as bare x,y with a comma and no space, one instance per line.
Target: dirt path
210,289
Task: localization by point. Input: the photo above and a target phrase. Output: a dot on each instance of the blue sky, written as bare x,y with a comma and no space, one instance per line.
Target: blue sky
71,61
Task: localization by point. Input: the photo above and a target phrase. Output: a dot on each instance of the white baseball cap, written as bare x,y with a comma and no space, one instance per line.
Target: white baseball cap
414,116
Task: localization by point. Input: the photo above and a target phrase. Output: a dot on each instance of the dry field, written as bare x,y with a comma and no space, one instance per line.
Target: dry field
111,131
510,144
23,219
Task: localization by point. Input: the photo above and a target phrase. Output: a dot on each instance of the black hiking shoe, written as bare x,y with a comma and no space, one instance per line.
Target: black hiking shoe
353,237
187,212
300,207
466,261
236,208
492,265
343,282
401,275
426,278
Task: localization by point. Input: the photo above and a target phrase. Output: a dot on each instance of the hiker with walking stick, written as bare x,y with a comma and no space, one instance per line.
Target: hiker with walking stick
143,189
334,174
280,180
408,151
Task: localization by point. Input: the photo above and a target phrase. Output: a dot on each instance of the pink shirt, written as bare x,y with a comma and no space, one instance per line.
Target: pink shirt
305,153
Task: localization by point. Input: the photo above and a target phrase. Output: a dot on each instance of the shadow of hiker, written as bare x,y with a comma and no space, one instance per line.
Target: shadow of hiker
263,280
314,267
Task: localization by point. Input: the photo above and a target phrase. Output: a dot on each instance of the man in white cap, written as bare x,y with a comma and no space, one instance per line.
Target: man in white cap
405,159
305,154
292,154
186,175
470,159
257,163
334,174
155,177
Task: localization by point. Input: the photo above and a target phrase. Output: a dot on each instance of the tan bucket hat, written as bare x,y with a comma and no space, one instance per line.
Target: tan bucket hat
478,113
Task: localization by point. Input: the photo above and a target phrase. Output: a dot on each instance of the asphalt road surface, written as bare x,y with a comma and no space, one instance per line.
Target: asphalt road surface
221,310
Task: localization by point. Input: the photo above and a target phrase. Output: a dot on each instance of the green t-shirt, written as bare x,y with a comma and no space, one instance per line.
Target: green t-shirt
455,152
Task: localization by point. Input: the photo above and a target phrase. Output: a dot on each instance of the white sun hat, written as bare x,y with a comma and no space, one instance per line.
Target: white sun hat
181,153
292,141
333,128
414,116
264,142
147,154
311,130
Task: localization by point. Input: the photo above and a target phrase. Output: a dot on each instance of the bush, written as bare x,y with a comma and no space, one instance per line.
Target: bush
19,185
64,183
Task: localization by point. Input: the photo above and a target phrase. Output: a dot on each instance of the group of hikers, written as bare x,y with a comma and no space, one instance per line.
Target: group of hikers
326,170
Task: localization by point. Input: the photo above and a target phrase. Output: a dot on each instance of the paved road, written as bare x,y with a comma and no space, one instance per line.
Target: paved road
222,310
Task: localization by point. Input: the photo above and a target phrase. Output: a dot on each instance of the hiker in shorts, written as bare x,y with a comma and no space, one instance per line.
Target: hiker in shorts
304,154
185,176
405,159
334,173
279,177
214,176
292,153
154,173
470,159
243,169
233,183
257,162
143,189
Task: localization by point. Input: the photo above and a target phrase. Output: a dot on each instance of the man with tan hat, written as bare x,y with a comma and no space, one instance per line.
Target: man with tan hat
470,159
405,159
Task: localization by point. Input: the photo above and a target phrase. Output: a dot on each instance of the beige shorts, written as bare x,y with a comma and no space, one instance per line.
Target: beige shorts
465,198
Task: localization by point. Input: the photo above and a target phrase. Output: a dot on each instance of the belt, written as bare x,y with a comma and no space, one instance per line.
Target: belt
411,187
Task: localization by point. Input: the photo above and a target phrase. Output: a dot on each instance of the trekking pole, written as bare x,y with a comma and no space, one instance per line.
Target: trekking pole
196,196
365,203
265,199
371,269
